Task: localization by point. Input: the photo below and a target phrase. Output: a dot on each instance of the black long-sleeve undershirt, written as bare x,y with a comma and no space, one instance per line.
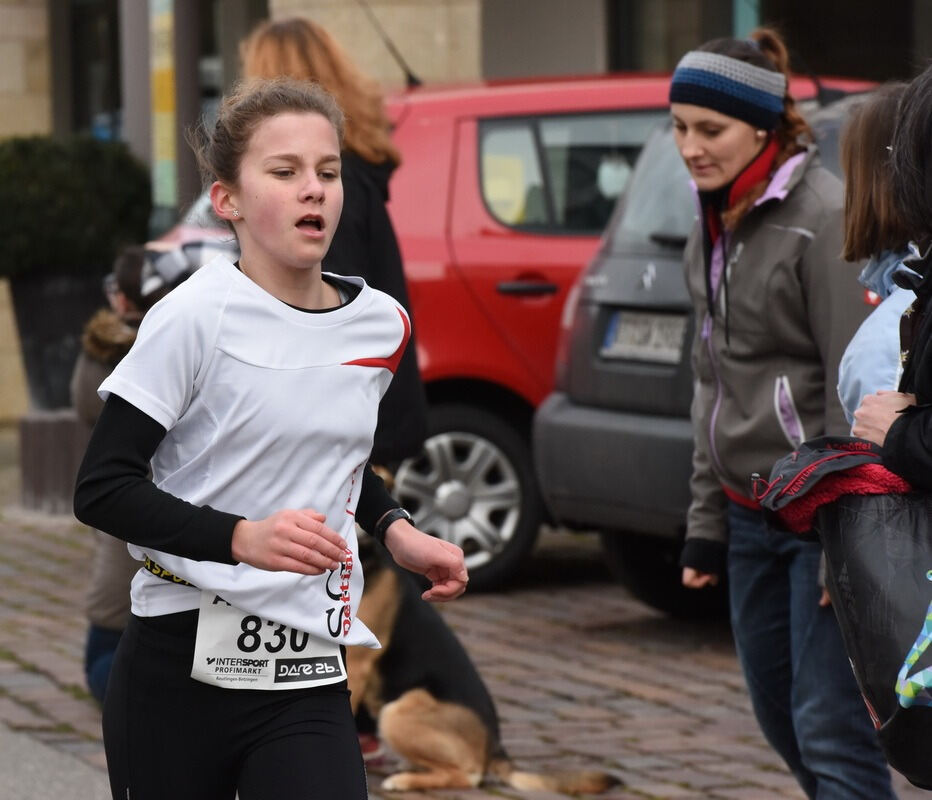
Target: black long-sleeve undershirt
115,494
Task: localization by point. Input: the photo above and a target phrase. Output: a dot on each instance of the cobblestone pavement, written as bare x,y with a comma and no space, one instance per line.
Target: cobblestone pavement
583,675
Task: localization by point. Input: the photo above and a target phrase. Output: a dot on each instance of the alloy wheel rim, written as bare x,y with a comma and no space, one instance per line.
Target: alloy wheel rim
463,488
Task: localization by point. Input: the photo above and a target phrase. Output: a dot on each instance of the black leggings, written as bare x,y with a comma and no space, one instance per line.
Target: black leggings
168,735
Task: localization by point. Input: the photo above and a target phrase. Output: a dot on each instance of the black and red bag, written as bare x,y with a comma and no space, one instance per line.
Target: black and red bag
877,537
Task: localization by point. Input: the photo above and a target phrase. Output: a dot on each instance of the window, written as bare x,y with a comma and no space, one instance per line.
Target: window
95,68
561,173
659,206
511,177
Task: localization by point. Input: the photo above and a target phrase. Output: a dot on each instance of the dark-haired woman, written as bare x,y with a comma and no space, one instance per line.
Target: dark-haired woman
874,230
775,306
107,337
140,278
900,420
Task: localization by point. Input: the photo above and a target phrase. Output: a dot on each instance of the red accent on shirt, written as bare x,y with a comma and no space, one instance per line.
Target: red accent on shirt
390,363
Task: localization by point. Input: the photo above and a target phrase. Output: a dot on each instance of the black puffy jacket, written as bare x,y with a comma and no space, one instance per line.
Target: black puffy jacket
907,449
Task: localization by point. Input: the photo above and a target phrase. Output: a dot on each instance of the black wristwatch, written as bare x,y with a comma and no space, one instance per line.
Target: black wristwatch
387,519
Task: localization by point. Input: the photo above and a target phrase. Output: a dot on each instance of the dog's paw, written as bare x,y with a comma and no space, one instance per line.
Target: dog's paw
396,783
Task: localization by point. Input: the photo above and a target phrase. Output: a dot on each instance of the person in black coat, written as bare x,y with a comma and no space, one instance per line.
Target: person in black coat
901,421
365,242
365,245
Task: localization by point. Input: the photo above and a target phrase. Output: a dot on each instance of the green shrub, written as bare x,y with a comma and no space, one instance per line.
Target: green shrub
68,205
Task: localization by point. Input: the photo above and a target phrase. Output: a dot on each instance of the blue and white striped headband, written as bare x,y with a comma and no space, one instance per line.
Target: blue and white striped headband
729,86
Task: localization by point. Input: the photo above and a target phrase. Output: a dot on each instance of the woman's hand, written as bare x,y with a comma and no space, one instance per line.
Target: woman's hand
877,412
438,560
693,579
291,540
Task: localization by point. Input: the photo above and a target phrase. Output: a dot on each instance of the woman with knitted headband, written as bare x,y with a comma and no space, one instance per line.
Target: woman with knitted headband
775,307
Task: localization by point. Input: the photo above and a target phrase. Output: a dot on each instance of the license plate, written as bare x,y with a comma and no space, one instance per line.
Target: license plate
645,336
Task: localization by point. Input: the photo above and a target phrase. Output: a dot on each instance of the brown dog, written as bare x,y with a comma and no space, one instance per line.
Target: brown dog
432,706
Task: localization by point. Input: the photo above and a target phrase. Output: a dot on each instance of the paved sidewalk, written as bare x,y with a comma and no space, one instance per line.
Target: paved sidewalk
583,675
31,770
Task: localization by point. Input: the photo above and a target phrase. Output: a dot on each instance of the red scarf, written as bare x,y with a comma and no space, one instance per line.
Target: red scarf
748,178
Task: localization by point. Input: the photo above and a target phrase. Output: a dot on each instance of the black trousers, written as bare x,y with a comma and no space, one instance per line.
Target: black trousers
167,735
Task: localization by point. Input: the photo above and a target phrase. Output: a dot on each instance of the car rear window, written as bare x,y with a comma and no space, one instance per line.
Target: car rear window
659,206
560,173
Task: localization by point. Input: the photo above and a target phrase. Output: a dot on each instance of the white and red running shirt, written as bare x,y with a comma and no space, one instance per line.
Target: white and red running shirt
266,407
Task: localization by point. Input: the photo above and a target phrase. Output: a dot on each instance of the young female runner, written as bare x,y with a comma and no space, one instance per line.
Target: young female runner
253,389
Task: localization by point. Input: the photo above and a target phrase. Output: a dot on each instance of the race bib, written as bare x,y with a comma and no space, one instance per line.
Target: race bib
236,650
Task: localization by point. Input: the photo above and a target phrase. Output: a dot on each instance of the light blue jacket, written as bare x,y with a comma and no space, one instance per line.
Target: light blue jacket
872,359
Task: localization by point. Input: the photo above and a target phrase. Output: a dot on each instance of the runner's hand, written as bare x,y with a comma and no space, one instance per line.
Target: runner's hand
438,560
290,540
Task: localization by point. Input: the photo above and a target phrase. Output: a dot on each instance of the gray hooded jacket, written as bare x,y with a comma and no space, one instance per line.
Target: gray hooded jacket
792,306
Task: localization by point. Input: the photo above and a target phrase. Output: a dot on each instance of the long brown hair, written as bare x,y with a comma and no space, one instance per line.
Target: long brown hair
765,48
299,48
873,222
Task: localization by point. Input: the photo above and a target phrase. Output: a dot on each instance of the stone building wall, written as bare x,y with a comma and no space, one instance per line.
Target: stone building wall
439,39
25,108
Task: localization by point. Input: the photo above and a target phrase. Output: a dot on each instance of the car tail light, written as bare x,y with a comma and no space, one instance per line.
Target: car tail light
567,318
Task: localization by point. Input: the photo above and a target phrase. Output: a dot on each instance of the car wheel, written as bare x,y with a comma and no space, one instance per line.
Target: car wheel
474,485
648,567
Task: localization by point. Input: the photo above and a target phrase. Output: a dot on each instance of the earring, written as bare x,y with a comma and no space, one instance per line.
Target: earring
235,212
760,133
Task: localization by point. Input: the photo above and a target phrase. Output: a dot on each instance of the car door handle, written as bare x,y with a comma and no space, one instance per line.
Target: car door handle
527,287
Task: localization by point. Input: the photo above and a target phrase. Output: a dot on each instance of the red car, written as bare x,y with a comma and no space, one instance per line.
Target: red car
500,201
